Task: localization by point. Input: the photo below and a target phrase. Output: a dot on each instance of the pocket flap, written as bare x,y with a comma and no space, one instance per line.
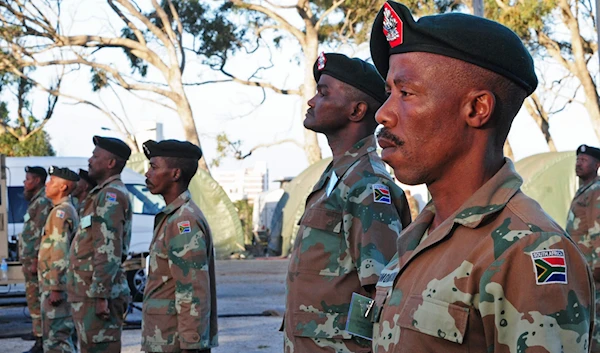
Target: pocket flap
159,307
319,325
322,218
435,318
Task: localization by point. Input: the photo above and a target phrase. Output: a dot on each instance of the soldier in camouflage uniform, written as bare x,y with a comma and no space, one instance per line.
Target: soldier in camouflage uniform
482,268
83,188
57,323
180,301
353,215
29,245
584,219
96,283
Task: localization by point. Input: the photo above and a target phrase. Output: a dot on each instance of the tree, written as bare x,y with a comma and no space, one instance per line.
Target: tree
309,23
562,31
150,41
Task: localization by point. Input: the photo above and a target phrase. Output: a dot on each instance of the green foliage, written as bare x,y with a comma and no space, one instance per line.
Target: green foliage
226,148
136,63
99,79
36,145
524,17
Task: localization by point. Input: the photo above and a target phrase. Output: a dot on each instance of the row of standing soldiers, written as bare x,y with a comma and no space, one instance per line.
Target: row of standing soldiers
76,236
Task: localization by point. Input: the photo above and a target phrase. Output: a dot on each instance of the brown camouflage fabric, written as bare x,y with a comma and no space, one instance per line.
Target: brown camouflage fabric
99,248
344,241
583,225
29,246
57,323
180,301
497,276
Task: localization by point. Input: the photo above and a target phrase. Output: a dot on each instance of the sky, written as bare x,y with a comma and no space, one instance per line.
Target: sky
235,109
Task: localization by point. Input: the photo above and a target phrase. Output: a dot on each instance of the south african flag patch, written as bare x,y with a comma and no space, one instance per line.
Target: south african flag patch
184,227
549,266
381,194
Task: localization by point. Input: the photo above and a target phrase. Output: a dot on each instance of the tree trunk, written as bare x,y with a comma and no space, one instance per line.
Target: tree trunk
537,111
508,152
311,52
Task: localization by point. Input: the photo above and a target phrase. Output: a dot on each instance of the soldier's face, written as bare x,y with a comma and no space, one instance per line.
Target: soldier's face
422,131
159,176
31,182
98,163
329,108
81,188
586,166
53,187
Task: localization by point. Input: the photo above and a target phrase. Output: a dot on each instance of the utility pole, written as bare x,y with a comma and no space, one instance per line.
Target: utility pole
478,8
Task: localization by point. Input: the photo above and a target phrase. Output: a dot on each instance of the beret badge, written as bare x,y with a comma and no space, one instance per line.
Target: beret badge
392,26
321,61
582,149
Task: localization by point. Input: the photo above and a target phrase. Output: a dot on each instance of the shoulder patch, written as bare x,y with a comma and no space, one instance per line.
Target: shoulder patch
184,227
111,196
60,214
381,194
549,266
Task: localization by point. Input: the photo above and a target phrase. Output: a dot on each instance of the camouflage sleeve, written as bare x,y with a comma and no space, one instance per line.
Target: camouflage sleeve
107,233
594,223
372,224
32,229
188,261
538,294
58,230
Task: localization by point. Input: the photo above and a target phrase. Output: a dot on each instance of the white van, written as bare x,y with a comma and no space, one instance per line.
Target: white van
144,204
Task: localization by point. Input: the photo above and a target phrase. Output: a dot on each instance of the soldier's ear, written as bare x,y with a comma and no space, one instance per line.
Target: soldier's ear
176,174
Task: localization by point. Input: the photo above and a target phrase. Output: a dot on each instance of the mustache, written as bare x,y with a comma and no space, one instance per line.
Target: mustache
148,183
386,134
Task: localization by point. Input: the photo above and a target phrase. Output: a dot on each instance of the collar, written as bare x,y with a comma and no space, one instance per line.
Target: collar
66,199
41,192
177,203
105,182
359,149
583,188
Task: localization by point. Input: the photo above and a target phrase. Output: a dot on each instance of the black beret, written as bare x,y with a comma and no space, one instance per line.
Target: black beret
355,72
469,38
114,146
63,173
39,171
83,174
590,151
172,148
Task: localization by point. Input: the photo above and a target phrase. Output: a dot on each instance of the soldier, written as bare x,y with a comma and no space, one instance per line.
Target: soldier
57,323
483,268
584,217
353,215
96,284
34,221
180,302
83,188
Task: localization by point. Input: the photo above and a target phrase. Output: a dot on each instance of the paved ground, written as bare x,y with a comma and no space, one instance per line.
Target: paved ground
246,290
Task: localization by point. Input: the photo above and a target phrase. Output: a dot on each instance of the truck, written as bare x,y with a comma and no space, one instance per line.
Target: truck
13,207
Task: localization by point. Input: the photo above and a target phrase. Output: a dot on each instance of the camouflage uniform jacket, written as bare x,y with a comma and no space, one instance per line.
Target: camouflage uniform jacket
54,249
497,276
583,222
34,221
101,244
180,301
344,241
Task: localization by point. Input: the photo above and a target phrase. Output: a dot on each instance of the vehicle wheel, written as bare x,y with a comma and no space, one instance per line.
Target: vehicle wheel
137,283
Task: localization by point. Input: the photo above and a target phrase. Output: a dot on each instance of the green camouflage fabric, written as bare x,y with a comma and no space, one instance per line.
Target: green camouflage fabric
99,248
180,301
29,245
583,225
499,275
57,323
344,241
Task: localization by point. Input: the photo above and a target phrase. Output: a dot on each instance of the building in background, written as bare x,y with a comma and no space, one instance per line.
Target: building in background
244,183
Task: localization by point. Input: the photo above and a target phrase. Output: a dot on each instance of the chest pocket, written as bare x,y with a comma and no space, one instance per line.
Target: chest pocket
159,258
436,318
319,242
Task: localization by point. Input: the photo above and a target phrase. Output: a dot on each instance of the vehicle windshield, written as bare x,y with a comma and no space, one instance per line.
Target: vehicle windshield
142,201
